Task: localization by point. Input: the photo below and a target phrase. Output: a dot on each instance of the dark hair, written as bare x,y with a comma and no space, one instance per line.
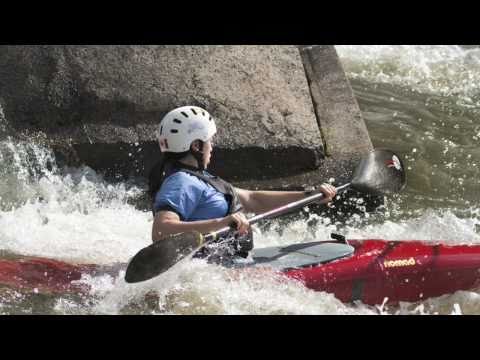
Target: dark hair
158,172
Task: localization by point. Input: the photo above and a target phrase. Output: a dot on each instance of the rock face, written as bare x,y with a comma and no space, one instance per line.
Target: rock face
277,108
101,105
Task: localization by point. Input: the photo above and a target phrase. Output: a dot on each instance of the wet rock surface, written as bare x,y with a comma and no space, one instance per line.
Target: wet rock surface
101,105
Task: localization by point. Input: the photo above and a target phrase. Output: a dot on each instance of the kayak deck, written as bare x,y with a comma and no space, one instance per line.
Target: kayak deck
296,256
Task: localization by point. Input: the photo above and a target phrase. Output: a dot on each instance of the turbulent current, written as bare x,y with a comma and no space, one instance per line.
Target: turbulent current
422,102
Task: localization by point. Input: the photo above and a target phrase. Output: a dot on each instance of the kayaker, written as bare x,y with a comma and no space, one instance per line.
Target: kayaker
185,197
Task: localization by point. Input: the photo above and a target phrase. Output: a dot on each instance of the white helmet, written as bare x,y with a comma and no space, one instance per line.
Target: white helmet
180,127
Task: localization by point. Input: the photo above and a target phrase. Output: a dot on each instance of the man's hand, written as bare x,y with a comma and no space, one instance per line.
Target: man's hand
329,191
241,222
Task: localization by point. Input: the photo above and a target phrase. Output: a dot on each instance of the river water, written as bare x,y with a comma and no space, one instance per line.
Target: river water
420,101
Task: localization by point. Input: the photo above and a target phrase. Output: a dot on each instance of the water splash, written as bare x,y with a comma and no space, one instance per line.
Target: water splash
195,287
71,214
3,123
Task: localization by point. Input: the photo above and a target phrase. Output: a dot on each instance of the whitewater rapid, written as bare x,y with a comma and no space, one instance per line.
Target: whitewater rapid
74,214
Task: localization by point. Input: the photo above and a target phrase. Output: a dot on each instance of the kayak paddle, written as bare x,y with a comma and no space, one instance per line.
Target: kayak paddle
379,172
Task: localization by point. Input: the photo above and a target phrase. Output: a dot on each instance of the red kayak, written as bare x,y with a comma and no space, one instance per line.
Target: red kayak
48,275
364,270
398,270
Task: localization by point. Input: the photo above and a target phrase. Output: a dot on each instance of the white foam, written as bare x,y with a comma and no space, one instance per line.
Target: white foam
195,287
70,214
447,70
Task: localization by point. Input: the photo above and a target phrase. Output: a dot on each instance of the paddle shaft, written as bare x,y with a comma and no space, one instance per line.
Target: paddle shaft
275,212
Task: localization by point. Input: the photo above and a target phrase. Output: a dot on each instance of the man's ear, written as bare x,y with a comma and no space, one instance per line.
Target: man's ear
195,146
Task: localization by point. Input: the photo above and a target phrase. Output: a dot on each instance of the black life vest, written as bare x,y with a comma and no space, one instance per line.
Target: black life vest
222,186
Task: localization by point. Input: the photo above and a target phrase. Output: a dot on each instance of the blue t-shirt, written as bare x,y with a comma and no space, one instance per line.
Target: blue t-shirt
190,197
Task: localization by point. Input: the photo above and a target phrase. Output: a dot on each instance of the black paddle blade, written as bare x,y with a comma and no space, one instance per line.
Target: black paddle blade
380,172
161,255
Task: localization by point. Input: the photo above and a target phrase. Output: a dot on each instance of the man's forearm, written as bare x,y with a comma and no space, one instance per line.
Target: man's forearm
263,201
170,227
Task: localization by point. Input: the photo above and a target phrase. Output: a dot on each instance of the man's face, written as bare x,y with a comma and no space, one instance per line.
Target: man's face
207,151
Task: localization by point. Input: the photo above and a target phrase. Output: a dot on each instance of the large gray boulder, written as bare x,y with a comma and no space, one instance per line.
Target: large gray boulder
101,105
